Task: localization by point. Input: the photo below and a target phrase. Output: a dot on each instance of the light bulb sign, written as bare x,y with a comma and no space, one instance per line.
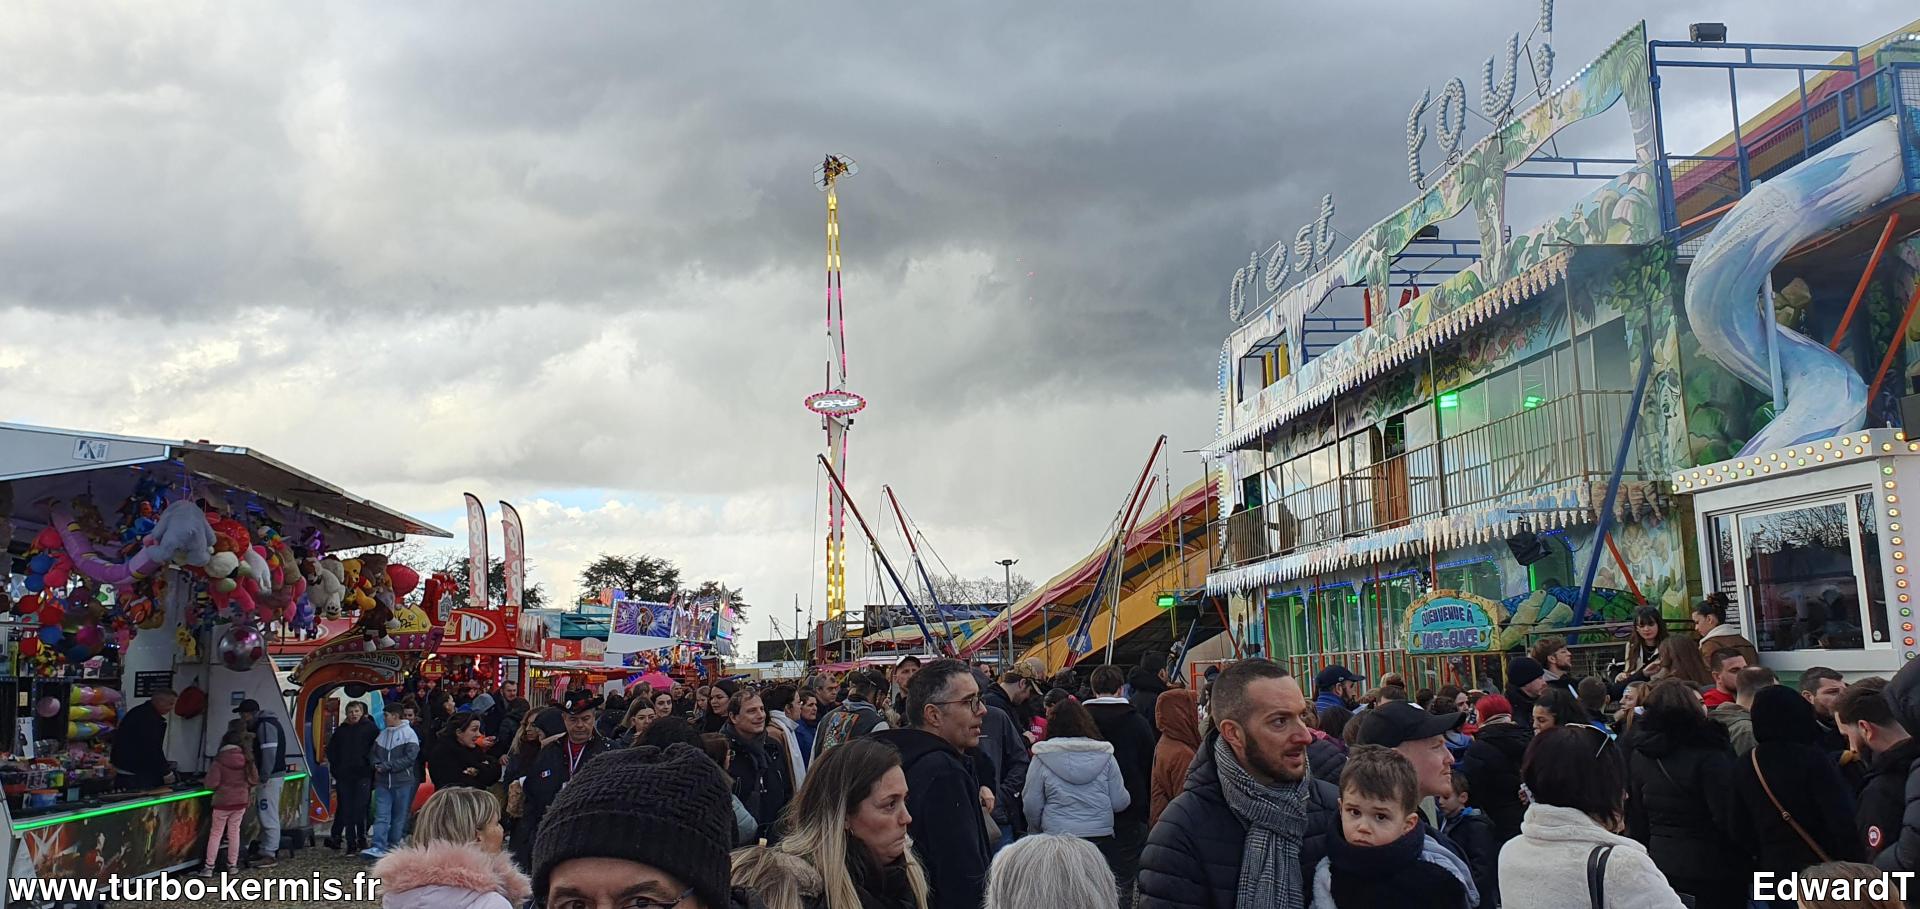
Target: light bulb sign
836,403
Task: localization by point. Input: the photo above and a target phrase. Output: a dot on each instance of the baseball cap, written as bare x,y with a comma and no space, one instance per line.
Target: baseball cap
247,706
1394,722
1334,675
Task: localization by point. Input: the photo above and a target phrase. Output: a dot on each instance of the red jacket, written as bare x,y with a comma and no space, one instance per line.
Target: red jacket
232,778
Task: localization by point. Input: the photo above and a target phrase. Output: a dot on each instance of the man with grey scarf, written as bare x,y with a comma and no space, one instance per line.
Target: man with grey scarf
1252,822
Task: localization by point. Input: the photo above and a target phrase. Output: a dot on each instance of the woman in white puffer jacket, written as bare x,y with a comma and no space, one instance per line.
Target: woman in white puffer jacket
1578,782
1074,785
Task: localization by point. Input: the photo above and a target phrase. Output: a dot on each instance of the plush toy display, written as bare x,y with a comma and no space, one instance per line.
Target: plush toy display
329,590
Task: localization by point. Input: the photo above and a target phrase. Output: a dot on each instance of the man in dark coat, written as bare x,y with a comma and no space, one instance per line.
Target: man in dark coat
1003,749
1145,685
1132,740
1194,855
555,765
1492,765
513,714
140,745
350,764
1526,681
1902,853
1873,732
944,794
762,777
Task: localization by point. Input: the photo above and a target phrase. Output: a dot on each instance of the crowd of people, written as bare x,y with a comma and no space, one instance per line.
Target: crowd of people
1667,781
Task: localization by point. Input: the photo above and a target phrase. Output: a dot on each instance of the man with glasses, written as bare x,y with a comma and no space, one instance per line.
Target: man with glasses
949,830
555,765
1252,822
1421,738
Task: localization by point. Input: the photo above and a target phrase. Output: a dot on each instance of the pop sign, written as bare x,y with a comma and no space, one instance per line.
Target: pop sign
1450,621
836,403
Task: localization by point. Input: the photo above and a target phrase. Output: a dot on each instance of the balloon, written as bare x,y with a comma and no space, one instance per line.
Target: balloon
404,579
47,707
50,634
27,605
52,615
59,575
36,583
39,564
29,646
240,647
48,538
91,637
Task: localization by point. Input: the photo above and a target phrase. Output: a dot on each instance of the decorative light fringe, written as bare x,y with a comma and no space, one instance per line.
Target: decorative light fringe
1501,298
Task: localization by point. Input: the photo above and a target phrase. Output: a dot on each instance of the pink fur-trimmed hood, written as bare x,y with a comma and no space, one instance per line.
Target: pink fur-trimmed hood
430,876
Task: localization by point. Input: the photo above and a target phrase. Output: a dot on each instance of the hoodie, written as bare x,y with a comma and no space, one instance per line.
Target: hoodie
232,778
1074,787
396,755
1178,714
443,875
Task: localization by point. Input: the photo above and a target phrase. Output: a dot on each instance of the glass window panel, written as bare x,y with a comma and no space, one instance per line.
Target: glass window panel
1875,584
1612,363
1420,427
1800,578
1503,395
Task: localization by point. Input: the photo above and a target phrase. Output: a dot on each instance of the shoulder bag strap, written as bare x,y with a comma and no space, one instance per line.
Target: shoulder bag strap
1785,815
1597,876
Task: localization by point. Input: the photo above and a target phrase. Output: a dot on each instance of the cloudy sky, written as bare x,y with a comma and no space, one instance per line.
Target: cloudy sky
569,255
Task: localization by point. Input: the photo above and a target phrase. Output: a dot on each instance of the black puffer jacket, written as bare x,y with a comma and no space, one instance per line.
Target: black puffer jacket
1884,797
1326,757
1192,859
1680,803
1492,766
1903,853
1803,778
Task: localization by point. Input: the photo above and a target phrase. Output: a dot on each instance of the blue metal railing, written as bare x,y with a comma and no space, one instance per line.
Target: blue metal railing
1695,187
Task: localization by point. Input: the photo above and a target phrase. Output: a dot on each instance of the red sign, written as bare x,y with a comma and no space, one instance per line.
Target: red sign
432,670
478,632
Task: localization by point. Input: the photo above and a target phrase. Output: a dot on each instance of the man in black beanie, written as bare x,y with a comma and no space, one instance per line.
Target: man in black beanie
640,826
1526,679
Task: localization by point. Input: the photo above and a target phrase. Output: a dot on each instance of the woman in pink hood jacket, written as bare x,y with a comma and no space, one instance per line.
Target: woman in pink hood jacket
454,858
232,778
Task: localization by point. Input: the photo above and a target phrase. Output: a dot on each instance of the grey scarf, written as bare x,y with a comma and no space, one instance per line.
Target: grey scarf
1276,819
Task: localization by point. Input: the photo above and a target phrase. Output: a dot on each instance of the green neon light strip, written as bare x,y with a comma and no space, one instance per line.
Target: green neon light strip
39,822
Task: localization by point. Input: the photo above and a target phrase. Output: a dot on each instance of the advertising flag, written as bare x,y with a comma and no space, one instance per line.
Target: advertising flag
476,554
514,544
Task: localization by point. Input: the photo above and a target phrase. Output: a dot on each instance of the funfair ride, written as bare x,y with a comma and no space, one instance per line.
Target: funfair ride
835,405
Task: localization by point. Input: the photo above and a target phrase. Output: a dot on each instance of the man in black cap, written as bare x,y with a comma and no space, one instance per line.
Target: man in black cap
640,826
555,765
1421,738
1333,687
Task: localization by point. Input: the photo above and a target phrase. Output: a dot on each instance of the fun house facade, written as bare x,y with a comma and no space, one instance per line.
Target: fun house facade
1671,336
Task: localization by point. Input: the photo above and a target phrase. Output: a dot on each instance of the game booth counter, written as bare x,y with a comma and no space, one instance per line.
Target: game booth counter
136,565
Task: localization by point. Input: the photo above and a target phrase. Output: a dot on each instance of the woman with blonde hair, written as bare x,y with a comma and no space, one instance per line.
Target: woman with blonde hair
454,858
846,845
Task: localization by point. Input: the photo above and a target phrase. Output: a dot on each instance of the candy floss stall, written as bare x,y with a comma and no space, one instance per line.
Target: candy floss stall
136,565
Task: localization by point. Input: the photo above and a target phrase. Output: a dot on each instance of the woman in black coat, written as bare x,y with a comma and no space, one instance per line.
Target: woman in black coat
1680,800
457,759
1799,773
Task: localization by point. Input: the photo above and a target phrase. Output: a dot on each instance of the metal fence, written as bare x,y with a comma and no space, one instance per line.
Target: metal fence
1571,437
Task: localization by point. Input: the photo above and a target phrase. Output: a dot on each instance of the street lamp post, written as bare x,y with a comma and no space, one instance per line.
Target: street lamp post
1006,565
